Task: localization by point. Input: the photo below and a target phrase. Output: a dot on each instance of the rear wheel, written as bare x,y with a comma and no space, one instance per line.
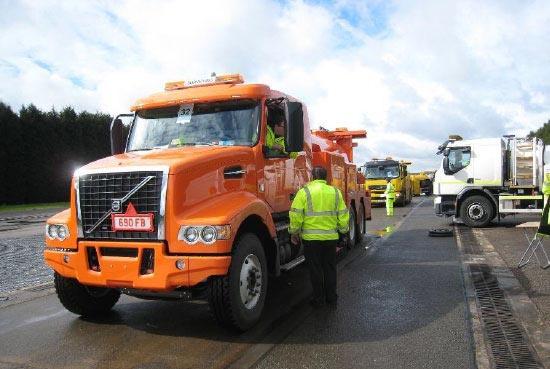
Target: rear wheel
84,300
476,211
237,299
352,227
361,223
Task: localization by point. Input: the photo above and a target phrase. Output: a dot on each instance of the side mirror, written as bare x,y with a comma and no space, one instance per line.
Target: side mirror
294,115
117,134
446,168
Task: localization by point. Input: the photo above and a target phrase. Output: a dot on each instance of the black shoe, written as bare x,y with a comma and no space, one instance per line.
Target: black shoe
332,302
316,303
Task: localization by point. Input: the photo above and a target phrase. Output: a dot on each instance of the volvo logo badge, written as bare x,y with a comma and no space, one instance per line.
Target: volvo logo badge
115,205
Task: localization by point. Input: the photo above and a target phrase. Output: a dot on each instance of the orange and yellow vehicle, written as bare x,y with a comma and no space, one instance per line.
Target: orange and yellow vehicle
193,204
421,183
377,170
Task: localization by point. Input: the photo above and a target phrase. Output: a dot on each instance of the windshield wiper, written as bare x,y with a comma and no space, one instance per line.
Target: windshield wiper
143,149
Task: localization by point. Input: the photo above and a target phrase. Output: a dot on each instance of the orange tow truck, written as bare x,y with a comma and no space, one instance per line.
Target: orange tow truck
193,204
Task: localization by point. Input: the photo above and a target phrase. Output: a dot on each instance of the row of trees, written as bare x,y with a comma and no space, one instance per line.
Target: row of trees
542,133
41,150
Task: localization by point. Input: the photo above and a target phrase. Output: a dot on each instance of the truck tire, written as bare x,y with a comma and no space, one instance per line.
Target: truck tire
361,224
80,299
476,211
352,228
238,298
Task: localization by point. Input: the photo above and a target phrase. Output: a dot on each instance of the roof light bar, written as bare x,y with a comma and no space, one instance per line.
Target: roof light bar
215,80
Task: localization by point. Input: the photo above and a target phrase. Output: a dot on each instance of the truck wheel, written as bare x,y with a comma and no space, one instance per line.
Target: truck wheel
476,211
84,300
361,224
237,299
352,228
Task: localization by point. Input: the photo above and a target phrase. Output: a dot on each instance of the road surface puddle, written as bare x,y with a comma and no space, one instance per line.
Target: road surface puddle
381,232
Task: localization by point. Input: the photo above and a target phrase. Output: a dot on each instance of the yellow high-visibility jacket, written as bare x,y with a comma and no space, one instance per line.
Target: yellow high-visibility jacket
319,212
390,191
546,184
271,139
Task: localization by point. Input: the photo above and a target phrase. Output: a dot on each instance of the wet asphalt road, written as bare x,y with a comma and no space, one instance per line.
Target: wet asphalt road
402,305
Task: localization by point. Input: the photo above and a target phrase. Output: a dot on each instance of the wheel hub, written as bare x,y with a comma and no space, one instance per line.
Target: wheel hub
476,211
250,281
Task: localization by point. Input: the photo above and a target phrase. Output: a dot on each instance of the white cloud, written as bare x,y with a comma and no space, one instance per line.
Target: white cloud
408,72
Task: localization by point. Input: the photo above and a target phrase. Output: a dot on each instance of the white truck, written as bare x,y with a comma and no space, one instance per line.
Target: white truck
481,179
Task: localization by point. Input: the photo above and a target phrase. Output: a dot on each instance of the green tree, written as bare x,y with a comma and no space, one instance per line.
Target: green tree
41,151
11,179
542,133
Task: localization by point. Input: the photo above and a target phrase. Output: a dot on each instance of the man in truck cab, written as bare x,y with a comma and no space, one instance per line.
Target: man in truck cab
275,139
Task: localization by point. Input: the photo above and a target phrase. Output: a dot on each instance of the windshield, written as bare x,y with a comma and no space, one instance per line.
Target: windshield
223,123
373,171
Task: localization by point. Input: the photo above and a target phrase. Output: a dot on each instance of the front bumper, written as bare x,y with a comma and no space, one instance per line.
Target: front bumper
377,198
125,270
445,206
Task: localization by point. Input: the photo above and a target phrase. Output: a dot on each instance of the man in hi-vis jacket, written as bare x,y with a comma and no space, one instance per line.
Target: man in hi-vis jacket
320,215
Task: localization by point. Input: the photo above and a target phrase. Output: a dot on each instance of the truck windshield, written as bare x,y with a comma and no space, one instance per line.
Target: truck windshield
224,123
381,171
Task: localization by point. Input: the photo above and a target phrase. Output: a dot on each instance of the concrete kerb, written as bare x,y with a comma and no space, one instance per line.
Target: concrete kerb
27,294
480,347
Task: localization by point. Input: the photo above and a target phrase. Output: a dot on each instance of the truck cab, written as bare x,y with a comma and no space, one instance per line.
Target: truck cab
377,170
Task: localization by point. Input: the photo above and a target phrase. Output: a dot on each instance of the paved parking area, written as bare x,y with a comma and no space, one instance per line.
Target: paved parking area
21,247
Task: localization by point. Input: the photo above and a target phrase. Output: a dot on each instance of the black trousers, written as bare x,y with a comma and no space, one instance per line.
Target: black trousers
321,261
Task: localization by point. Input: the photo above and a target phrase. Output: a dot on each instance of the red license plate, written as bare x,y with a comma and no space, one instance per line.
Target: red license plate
141,222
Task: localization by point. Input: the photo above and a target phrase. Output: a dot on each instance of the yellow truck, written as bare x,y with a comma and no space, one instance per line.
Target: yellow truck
421,183
377,170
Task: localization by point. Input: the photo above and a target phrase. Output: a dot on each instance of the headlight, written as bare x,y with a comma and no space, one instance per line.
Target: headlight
207,234
51,231
62,232
59,231
189,235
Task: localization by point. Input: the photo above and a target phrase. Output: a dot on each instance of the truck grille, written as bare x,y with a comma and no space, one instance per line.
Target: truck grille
377,187
96,192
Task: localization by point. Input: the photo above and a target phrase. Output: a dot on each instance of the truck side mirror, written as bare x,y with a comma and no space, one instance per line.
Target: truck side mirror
294,115
118,135
117,141
446,168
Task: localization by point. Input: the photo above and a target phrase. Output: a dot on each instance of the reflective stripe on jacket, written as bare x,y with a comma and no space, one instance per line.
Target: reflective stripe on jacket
319,212
390,191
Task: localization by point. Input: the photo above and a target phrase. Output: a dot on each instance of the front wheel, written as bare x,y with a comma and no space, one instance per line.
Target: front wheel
84,300
476,211
237,299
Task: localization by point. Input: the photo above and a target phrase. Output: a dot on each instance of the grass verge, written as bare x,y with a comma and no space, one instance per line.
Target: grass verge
6,208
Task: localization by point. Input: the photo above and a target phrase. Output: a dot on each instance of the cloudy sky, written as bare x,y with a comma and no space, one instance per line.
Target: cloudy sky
409,72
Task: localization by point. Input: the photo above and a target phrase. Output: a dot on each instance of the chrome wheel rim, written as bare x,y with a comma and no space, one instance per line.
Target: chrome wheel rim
250,281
